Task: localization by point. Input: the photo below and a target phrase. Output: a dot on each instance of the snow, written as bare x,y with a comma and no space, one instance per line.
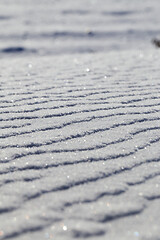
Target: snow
80,120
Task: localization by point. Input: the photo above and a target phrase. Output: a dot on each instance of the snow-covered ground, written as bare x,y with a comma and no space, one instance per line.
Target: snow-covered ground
80,120
59,26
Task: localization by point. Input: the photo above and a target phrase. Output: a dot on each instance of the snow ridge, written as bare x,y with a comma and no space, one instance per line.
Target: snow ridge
80,147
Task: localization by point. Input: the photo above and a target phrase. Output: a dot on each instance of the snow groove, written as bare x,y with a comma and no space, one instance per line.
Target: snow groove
79,152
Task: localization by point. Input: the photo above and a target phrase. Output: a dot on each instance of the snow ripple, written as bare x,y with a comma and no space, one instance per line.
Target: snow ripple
79,150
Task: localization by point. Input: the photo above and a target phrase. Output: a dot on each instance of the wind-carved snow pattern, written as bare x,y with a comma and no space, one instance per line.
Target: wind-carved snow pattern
79,143
84,26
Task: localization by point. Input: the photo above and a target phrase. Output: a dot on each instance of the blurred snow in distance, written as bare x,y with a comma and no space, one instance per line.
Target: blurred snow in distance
57,27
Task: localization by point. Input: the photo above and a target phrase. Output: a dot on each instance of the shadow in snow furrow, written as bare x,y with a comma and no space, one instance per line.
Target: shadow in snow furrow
18,156
106,218
26,230
100,146
72,184
144,180
17,50
13,101
28,92
74,112
109,91
38,152
31,93
68,186
79,150
7,210
84,104
119,13
86,234
94,102
99,196
15,126
45,116
145,130
78,98
116,193
113,217
142,87
79,121
123,94
40,108
37,97
123,106
24,179
5,17
86,181
67,163
50,94
66,98
85,149
47,222
33,103
36,103
120,101
153,197
19,118
96,147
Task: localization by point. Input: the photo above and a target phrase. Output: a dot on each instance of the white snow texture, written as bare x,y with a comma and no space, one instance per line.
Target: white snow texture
80,120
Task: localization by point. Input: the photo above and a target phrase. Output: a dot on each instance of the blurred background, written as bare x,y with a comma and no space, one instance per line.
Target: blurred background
77,26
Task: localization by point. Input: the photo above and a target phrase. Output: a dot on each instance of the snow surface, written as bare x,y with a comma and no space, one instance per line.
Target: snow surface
80,120
59,26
